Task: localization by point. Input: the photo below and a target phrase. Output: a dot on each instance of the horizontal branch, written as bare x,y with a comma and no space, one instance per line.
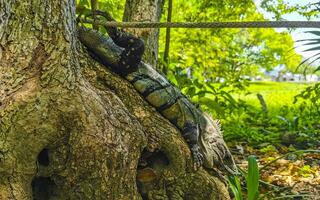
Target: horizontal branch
252,24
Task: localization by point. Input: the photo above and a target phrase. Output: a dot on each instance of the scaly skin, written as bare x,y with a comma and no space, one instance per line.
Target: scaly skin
202,134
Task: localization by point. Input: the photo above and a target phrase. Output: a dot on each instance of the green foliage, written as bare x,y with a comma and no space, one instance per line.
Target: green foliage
226,54
234,184
268,149
311,93
211,64
305,171
313,46
114,7
291,124
282,7
287,123
252,180
212,97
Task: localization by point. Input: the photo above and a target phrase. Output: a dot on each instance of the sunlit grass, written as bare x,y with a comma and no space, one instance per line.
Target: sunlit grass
275,94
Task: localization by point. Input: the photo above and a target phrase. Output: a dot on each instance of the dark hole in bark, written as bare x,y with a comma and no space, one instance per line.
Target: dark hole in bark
150,167
158,159
43,188
153,159
43,157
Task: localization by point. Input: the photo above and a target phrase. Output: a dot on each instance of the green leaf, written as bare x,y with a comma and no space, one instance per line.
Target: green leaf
228,97
312,43
314,32
202,93
317,69
312,49
191,91
306,60
83,3
253,179
234,184
285,120
211,104
295,122
305,40
316,59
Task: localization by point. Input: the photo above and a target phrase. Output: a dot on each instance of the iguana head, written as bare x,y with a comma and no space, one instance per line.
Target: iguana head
214,149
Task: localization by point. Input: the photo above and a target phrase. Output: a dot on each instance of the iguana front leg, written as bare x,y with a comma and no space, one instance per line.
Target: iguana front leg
190,133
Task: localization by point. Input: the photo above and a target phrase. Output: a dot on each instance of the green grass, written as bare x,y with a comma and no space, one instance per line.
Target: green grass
283,116
275,94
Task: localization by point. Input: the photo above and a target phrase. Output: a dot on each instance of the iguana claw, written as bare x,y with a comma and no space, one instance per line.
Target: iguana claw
197,157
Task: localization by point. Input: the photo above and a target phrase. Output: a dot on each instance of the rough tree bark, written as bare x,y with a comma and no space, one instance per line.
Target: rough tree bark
145,10
71,129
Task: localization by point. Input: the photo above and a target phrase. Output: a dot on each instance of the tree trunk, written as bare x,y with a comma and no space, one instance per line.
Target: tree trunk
144,11
71,129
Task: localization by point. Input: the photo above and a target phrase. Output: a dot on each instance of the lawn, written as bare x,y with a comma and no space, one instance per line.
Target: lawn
282,117
275,94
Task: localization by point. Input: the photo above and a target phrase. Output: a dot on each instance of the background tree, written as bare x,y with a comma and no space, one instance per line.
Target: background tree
71,129
145,10
308,9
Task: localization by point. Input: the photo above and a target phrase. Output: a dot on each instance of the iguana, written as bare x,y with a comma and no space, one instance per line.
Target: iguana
122,52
